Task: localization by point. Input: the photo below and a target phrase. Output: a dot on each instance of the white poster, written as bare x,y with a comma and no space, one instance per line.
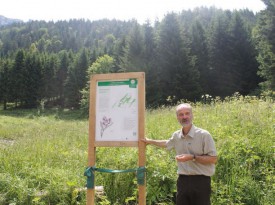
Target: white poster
117,110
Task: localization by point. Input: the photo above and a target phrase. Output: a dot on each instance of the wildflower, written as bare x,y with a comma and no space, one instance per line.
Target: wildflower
104,124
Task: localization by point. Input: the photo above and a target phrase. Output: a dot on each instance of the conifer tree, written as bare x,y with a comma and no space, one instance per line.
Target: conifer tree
151,69
264,35
61,75
49,66
5,75
219,57
178,74
33,80
76,80
242,59
199,48
133,59
17,78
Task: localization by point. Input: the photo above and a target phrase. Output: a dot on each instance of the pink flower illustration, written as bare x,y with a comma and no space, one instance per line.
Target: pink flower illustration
104,124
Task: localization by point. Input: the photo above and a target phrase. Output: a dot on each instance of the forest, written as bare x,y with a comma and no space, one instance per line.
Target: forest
188,55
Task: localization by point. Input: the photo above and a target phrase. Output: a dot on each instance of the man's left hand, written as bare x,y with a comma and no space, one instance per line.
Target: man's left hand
184,157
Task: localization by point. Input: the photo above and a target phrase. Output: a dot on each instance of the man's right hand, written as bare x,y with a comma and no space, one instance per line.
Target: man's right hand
158,143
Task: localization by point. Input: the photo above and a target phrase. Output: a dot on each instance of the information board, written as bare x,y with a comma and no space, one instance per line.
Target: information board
117,110
117,107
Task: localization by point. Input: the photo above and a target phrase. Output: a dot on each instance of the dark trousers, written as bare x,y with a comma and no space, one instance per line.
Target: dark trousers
193,190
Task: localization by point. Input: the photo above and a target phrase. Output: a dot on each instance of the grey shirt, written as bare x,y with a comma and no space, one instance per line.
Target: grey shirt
197,142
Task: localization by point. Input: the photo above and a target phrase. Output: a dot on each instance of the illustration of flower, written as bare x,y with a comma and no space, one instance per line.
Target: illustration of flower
104,124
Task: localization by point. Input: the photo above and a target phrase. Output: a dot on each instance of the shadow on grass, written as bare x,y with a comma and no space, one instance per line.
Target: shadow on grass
57,113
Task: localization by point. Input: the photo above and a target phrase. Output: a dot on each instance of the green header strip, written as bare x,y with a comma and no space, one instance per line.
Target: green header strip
131,82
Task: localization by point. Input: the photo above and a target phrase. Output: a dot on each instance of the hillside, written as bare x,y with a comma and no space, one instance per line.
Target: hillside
186,56
7,21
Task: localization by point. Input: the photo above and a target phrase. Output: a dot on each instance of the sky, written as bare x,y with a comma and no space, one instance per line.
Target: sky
141,10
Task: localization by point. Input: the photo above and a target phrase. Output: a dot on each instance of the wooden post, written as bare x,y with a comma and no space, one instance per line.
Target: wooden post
90,197
141,145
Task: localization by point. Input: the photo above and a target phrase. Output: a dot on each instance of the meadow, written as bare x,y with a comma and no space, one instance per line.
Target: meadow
43,156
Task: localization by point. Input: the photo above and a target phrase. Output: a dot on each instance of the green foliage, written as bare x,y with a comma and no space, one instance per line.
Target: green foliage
265,38
134,58
232,57
76,80
244,134
176,64
103,64
181,55
5,88
41,159
44,155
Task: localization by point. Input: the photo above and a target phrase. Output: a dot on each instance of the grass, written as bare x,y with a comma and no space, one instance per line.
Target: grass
43,156
48,156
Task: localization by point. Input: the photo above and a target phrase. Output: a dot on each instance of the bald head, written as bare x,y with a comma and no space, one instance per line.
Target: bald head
184,115
183,106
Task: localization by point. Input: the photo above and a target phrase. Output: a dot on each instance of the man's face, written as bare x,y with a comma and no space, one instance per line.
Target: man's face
185,116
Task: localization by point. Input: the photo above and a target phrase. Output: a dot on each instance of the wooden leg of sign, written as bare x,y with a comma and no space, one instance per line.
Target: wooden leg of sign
90,196
142,188
141,145
142,162
142,195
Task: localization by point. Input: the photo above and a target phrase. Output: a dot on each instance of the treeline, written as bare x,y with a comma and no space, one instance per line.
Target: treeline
185,55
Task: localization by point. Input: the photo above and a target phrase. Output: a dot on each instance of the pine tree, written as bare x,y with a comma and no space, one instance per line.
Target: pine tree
76,80
264,35
242,57
17,78
199,48
49,64
61,75
119,53
33,80
5,87
133,59
219,57
178,75
151,69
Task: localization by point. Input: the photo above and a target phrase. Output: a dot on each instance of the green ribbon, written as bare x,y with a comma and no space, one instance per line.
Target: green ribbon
89,173
141,175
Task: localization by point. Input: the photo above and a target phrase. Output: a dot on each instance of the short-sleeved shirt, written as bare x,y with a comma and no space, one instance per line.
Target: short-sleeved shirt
197,142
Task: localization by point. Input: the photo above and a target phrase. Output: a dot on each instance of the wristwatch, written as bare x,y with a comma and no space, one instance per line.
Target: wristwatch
194,158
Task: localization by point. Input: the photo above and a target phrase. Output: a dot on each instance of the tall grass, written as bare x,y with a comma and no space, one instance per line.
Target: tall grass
244,131
43,156
45,161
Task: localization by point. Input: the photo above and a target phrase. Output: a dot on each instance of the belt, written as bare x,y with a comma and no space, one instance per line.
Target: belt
184,175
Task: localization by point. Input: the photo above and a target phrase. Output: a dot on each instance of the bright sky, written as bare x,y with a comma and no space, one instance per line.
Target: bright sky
140,10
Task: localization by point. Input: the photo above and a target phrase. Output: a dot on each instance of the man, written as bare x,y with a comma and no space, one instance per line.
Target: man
196,157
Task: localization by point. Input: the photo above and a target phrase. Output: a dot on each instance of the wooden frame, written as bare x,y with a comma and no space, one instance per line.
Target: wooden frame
93,143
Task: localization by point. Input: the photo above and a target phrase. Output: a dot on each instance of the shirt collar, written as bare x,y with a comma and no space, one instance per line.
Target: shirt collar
191,132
